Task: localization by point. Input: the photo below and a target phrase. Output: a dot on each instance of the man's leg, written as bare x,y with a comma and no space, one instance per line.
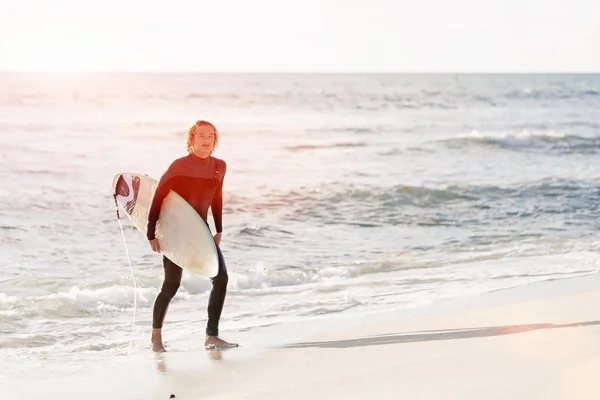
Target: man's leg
169,287
215,305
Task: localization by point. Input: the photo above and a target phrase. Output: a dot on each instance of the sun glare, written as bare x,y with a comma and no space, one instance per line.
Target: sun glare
61,54
58,43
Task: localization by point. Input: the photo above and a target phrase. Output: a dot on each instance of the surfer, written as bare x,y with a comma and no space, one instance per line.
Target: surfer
198,178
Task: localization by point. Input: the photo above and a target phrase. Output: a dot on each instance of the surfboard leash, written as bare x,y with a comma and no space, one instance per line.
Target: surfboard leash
132,274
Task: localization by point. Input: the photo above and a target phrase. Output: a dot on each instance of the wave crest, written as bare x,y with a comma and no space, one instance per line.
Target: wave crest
526,140
439,205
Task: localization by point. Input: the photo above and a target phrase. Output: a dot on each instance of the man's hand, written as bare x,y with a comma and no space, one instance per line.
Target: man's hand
154,245
218,238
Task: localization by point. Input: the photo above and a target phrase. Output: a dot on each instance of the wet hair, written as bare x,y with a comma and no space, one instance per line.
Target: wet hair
192,131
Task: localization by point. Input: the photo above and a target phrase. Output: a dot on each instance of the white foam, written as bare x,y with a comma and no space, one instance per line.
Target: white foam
75,300
7,302
524,134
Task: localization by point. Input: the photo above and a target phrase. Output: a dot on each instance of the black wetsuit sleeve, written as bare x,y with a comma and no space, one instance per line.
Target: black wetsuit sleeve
217,207
217,202
161,192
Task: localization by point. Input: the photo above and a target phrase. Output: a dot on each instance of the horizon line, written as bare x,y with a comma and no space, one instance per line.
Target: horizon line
265,72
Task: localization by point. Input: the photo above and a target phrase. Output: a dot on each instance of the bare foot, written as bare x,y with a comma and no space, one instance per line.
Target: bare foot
157,345
216,343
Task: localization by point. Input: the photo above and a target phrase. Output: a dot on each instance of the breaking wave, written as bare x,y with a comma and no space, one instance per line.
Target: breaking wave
547,142
442,205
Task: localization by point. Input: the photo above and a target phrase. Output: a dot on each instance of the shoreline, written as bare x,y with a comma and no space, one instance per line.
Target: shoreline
540,337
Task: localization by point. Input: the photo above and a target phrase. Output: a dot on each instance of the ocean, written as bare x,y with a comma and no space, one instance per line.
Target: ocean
345,195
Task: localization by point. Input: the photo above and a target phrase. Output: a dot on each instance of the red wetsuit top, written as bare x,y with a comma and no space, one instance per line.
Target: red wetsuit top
199,181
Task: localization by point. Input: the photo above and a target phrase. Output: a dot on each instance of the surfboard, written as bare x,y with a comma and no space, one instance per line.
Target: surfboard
183,236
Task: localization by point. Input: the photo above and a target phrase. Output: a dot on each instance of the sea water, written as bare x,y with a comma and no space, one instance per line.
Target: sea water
344,194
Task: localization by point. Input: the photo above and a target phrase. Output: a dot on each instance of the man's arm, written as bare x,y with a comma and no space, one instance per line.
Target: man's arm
217,202
161,192
217,207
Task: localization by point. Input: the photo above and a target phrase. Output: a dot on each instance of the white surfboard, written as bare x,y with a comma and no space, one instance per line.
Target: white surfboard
182,235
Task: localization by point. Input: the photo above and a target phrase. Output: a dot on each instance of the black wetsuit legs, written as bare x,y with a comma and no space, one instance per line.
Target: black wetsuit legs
171,284
169,287
217,297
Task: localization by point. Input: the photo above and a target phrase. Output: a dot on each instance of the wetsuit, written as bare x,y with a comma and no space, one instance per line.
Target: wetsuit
200,182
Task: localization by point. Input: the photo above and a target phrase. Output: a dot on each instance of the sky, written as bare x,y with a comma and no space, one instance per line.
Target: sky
300,36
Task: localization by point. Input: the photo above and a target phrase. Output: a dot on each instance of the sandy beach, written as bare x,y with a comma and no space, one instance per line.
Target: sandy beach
537,341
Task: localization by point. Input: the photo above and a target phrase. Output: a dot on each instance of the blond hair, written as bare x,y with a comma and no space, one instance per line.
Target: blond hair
192,132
